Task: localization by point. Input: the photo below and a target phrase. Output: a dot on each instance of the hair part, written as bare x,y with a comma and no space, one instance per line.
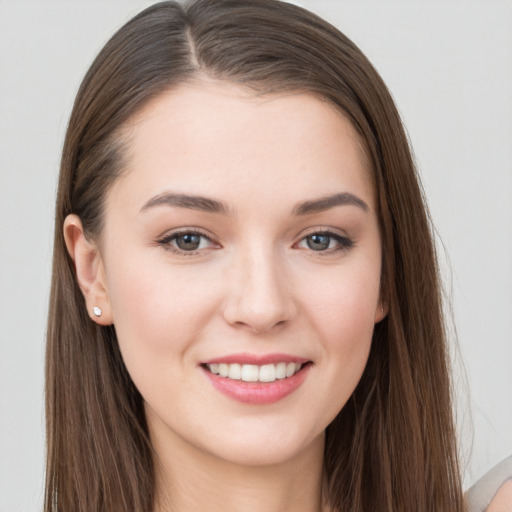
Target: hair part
392,447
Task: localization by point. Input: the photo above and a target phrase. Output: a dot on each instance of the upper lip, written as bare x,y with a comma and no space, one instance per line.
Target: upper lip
257,359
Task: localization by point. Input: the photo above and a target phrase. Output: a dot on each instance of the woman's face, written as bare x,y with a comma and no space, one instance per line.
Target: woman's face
241,242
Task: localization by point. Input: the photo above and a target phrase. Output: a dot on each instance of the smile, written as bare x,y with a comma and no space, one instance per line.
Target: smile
255,373
257,380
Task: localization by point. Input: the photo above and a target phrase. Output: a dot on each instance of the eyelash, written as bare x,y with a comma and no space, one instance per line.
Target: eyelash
166,240
344,243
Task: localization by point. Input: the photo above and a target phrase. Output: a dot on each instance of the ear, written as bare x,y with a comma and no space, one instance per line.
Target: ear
90,271
381,311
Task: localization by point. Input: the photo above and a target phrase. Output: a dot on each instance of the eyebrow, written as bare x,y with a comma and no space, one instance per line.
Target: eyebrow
325,203
200,203
209,205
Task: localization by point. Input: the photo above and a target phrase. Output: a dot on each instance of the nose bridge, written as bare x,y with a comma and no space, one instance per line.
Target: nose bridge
259,292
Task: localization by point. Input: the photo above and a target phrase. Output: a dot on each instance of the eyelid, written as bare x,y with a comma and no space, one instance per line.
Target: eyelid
345,243
165,240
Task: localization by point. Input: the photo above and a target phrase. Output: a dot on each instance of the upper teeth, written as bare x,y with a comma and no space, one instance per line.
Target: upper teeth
254,373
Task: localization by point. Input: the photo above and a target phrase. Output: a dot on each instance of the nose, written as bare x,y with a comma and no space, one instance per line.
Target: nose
260,296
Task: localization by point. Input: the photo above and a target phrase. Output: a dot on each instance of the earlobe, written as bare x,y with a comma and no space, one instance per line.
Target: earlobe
90,272
381,311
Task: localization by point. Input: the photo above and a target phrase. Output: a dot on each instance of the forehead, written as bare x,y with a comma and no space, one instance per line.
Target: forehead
220,139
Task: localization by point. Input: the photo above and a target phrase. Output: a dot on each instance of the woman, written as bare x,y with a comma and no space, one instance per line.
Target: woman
245,305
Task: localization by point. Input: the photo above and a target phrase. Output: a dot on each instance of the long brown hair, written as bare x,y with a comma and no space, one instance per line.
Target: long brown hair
392,447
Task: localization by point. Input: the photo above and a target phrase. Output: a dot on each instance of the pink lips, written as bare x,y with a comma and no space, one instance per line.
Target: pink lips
257,393
257,359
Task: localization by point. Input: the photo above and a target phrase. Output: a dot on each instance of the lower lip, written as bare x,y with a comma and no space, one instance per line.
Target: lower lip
258,393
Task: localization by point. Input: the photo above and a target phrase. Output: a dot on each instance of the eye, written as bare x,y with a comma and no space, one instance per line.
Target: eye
325,241
186,242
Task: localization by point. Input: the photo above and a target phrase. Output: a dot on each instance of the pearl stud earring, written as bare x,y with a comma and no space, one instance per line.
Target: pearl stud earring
96,310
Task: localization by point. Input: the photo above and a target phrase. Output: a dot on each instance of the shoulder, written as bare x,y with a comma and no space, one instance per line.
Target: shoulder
493,492
502,502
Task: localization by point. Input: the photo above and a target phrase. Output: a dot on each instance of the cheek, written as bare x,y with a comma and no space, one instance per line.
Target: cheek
157,310
343,306
159,313
343,315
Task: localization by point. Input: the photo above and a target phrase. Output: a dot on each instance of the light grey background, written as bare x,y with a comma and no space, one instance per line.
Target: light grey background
448,64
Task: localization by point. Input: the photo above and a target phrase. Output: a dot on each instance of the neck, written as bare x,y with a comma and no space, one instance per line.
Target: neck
195,481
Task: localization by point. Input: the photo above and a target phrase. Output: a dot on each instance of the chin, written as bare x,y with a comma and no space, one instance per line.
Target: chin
267,449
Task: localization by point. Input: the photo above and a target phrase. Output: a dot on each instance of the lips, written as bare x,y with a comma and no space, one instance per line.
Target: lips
257,379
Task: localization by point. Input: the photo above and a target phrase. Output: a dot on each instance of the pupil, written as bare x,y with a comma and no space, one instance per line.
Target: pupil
318,242
188,242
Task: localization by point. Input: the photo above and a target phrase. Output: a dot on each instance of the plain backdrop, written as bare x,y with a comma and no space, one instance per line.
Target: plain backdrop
448,64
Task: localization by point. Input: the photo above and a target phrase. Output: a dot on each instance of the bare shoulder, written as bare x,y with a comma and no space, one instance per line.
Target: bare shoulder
502,501
493,492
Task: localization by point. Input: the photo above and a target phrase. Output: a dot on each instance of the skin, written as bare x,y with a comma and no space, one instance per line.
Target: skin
502,502
254,285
